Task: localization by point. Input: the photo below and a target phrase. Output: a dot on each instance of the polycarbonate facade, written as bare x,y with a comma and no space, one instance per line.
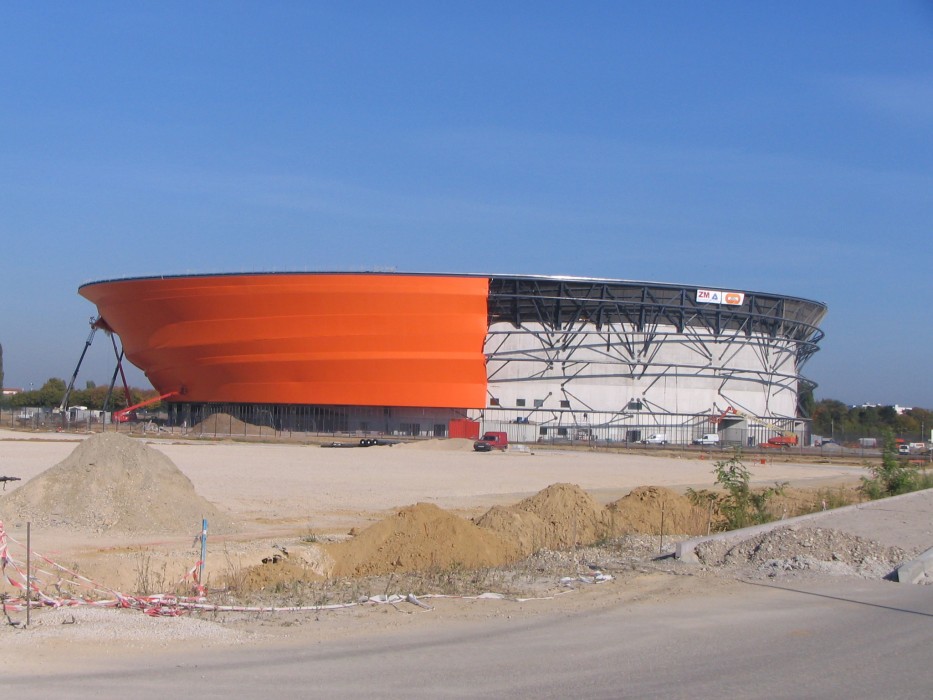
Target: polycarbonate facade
323,339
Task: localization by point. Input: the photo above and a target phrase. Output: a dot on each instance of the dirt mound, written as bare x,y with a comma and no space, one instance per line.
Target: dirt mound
441,444
421,537
225,424
272,576
569,515
640,512
525,529
111,482
790,549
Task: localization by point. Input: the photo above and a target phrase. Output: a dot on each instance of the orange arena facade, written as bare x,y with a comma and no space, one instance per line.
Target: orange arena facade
427,354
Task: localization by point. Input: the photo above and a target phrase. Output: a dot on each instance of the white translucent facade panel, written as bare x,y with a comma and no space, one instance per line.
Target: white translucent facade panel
694,372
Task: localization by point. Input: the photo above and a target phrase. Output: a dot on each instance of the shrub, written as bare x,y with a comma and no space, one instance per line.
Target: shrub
893,476
741,506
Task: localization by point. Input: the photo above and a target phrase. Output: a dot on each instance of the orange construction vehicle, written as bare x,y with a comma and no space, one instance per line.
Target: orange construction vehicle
780,442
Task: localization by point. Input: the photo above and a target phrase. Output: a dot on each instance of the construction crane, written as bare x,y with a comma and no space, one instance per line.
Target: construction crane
732,411
118,370
124,414
786,437
95,324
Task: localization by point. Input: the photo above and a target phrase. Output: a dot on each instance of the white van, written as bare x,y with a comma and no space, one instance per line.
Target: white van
708,439
656,439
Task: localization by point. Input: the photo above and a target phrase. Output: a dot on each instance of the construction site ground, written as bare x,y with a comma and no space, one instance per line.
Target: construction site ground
273,498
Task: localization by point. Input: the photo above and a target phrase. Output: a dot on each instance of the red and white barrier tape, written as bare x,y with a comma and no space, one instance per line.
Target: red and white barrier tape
167,605
95,594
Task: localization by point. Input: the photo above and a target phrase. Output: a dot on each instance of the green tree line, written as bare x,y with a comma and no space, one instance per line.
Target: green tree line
833,418
50,395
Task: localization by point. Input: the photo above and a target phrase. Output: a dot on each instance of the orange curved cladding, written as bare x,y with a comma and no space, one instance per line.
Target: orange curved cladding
359,340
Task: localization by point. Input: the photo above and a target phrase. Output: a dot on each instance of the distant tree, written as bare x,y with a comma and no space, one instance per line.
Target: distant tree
51,393
887,414
23,398
828,416
864,421
905,425
94,397
831,417
924,419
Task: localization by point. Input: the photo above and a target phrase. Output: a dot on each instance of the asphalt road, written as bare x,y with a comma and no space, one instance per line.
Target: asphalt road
837,639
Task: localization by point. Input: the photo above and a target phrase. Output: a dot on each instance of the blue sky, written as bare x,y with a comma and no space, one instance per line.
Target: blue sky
769,146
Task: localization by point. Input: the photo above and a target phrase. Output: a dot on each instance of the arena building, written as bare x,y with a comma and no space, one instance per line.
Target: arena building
540,357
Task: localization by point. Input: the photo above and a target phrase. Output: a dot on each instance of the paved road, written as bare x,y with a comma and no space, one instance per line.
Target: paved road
827,640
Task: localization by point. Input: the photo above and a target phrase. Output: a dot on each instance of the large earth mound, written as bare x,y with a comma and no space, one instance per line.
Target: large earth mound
225,424
112,482
421,537
558,517
641,512
525,529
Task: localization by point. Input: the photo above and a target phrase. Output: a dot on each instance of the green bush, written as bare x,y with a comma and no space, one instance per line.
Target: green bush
741,506
893,476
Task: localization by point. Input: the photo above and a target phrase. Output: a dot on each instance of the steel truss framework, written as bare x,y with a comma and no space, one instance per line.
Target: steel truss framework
568,334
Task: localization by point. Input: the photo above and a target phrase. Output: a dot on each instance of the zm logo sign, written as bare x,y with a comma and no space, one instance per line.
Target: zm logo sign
717,296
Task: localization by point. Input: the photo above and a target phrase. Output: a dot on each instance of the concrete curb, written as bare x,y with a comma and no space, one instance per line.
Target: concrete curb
917,568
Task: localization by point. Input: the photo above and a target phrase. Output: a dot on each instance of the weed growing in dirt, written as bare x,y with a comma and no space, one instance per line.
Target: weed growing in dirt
150,578
741,506
235,576
451,580
834,498
310,537
893,476
707,501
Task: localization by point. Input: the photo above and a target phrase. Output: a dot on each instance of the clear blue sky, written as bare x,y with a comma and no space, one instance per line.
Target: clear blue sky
781,147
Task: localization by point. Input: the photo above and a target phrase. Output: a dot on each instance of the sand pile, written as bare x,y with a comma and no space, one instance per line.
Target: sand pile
271,576
421,537
280,567
111,482
558,517
442,444
225,424
525,529
570,515
640,513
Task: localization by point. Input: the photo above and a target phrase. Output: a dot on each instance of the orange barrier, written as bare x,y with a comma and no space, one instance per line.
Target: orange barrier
327,339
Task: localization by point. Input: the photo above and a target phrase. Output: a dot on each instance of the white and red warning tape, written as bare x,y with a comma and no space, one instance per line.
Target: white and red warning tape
86,591
169,605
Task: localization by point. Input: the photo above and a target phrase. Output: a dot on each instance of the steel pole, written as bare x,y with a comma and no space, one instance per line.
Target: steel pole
203,552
